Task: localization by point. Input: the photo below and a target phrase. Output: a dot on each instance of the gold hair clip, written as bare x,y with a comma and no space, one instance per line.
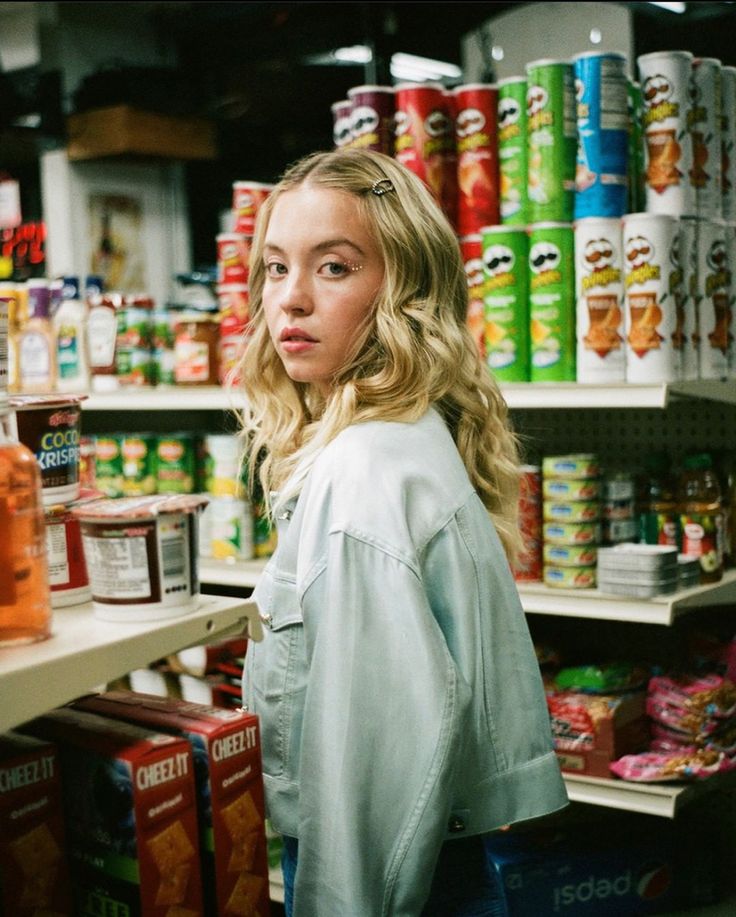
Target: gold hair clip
382,186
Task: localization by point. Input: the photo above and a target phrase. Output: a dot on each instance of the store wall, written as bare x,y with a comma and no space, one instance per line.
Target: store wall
545,30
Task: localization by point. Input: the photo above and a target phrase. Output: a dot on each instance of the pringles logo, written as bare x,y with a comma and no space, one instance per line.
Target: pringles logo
537,113
499,261
509,112
598,264
544,262
656,93
639,254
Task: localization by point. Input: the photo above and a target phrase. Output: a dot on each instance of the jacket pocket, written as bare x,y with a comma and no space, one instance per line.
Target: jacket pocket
276,674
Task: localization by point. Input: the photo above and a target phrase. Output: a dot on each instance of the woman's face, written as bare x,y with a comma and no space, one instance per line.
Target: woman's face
323,272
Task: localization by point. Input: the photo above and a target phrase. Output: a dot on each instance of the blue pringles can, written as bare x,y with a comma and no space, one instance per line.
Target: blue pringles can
601,94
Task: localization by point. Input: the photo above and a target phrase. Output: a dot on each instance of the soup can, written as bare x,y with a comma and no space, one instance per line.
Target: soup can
552,302
506,301
705,131
512,151
477,156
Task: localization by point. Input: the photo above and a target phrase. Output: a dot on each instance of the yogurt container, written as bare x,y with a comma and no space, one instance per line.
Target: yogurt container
68,577
141,555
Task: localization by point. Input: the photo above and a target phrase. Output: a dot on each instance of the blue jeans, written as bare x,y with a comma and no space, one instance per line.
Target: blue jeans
464,883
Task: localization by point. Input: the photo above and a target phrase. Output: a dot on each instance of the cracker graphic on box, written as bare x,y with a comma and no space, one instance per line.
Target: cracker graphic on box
244,898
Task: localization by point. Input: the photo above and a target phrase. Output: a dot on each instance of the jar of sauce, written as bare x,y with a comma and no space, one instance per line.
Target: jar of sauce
196,350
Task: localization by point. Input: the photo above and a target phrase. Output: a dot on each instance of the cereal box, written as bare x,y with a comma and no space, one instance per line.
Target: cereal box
34,877
130,816
226,747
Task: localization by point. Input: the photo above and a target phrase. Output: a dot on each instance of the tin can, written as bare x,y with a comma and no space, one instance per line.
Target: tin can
563,555
570,577
714,311
139,464
651,316
230,528
176,463
704,121
248,198
163,357
264,534
636,174
552,135
109,464
528,566
566,489
571,511
601,90
372,118
425,138
571,533
342,134
688,246
599,294
665,82
133,364
221,465
552,302
87,463
471,248
477,156
728,142
575,465
233,252
232,299
513,155
506,301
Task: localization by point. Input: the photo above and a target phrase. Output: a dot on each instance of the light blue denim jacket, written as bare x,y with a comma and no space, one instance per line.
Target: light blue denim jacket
397,686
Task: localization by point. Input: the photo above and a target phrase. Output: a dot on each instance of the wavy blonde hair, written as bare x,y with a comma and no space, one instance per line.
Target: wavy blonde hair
415,351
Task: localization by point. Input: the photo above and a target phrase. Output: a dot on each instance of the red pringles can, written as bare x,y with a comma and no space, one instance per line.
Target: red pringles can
476,142
233,299
233,251
529,564
424,139
342,129
248,198
233,339
471,248
372,118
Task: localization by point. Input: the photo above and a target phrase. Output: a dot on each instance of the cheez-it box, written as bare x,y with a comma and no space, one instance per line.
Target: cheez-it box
34,877
130,816
227,757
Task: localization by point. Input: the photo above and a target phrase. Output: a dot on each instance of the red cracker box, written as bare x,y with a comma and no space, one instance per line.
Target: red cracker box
34,876
131,816
227,755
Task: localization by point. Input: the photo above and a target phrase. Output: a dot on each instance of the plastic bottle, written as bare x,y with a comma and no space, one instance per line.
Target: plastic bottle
25,594
72,363
701,515
658,513
36,349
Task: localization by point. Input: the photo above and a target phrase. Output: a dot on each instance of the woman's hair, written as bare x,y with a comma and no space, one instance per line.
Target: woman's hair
415,351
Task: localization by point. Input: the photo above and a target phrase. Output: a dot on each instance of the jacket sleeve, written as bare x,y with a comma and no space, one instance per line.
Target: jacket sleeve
383,718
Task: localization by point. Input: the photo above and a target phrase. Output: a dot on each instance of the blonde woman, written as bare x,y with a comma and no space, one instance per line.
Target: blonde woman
401,705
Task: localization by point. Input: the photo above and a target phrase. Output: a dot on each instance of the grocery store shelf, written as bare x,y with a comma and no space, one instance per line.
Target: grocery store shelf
241,573
662,799
568,395
591,603
85,652
165,398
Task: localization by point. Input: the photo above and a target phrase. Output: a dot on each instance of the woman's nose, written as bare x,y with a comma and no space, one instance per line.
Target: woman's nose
297,293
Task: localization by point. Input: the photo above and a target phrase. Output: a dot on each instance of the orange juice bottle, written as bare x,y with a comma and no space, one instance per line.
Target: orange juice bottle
25,594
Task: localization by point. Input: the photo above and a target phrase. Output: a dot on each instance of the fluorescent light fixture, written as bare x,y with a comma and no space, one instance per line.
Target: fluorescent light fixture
355,54
497,52
595,36
672,7
402,64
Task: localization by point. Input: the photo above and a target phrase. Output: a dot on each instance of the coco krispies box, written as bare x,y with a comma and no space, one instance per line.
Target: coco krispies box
34,877
227,763
130,816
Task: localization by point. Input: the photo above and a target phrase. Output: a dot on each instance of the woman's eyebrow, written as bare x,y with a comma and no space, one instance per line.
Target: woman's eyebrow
320,246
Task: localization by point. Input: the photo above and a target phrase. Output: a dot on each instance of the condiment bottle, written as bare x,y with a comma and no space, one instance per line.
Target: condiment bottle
102,332
36,350
701,515
658,511
69,321
25,594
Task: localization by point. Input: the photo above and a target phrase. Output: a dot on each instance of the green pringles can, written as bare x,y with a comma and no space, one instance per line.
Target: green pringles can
552,302
513,150
552,140
506,301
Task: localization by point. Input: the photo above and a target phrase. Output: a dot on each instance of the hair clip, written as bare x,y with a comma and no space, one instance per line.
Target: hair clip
382,186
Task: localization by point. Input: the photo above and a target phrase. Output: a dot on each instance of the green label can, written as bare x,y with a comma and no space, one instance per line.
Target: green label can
506,301
552,132
513,150
139,464
176,463
109,464
552,302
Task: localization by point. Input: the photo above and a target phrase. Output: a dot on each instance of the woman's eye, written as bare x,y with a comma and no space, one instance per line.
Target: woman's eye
334,268
275,269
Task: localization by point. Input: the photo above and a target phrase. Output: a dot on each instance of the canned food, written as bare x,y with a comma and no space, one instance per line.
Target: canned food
575,465
562,555
471,248
477,156
599,284
565,489
232,299
704,120
229,527
571,511
196,350
221,465
233,252
570,577
530,483
109,464
372,118
176,463
506,301
264,534
512,150
139,464
67,569
248,198
528,566
572,533
552,133
552,302
342,134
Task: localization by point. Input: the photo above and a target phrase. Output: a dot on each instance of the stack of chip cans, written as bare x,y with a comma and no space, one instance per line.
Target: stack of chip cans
528,567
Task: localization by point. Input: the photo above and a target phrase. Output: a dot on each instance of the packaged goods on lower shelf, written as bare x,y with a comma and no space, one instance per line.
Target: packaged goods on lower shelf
130,814
34,876
229,787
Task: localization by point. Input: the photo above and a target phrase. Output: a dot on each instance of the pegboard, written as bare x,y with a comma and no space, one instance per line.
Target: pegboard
622,437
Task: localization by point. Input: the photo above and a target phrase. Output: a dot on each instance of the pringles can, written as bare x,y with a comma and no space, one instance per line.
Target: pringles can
528,566
650,306
477,156
636,171
665,82
248,198
471,248
342,130
688,245
601,93
704,120
512,150
599,292
714,311
728,142
233,252
552,137
552,302
372,118
506,301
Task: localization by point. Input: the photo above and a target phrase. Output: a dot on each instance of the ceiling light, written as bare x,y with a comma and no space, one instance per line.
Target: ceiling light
403,64
672,7
497,52
355,54
595,36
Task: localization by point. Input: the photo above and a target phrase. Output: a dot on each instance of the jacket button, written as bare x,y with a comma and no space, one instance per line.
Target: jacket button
455,825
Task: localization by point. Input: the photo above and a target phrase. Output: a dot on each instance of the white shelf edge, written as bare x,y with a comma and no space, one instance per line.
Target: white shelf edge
85,652
241,573
165,398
